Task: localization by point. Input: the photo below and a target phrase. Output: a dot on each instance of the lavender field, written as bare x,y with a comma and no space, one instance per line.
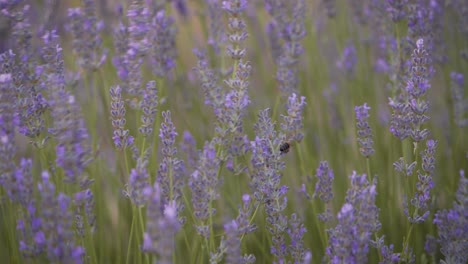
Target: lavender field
233,131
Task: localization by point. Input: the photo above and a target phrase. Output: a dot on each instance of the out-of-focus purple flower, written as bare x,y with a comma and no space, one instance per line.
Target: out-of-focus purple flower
31,105
214,95
396,9
330,7
460,103
188,148
274,37
31,237
364,132
161,227
217,37
181,7
233,243
59,237
121,36
388,257
323,189
84,200
288,18
121,136
138,182
348,60
87,42
357,221
452,225
292,123
73,149
7,129
170,173
148,105
163,48
204,183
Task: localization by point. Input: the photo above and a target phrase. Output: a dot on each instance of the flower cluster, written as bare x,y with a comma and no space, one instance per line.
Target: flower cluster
357,222
204,183
452,225
87,42
121,136
170,173
364,131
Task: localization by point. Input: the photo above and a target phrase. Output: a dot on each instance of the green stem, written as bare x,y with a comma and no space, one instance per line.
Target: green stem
129,246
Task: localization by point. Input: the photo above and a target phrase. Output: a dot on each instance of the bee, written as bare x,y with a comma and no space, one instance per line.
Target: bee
284,147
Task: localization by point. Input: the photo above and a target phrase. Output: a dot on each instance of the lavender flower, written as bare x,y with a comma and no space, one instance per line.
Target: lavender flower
452,225
57,229
410,109
138,182
162,37
460,103
29,222
275,40
348,60
189,148
330,7
121,39
292,123
7,129
422,197
266,175
235,230
296,232
31,105
396,9
214,94
364,131
217,35
148,105
84,201
323,188
357,221
204,183
161,227
73,150
138,45
171,168
121,136
87,42
292,29
233,243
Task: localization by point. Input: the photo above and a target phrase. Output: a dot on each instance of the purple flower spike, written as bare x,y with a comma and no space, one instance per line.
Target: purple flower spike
452,225
364,132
